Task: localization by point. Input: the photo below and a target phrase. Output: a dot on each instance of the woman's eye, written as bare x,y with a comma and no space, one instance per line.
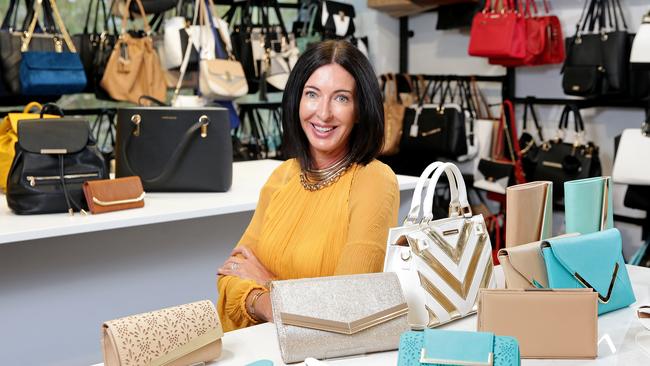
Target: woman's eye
342,98
310,94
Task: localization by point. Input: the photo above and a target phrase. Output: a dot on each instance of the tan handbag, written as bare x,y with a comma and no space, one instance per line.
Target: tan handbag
218,78
529,212
393,117
523,266
176,336
134,69
557,324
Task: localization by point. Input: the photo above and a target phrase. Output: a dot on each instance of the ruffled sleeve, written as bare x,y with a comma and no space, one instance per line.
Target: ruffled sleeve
373,205
233,291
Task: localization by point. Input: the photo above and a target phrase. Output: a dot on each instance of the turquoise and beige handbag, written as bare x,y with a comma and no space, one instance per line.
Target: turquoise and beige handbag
591,261
452,347
588,205
443,263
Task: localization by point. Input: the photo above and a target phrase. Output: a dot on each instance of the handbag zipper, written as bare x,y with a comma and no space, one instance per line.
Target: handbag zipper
33,179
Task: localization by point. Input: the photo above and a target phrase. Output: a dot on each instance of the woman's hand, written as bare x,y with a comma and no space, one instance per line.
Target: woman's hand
244,264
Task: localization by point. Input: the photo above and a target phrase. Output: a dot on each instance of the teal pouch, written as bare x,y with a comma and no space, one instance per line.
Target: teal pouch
434,347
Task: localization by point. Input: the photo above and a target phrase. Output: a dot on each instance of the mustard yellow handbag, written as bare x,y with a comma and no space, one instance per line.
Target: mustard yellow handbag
9,136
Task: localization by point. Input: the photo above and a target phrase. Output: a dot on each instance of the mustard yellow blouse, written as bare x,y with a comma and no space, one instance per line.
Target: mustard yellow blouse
295,233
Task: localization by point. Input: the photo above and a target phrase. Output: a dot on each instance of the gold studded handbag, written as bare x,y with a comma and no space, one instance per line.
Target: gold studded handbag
442,263
176,336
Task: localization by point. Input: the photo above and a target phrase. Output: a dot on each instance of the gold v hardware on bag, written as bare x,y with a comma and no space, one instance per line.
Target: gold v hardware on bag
176,336
443,263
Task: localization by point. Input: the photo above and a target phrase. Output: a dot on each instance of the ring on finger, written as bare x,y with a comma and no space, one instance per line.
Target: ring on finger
234,266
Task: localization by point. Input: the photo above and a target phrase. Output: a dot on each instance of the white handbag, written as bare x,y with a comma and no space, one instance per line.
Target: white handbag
630,166
442,263
640,53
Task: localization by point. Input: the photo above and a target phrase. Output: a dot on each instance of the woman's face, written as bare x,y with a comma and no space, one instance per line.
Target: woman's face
328,113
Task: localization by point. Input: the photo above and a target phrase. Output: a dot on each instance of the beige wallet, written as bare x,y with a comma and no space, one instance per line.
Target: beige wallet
523,266
529,212
177,336
561,323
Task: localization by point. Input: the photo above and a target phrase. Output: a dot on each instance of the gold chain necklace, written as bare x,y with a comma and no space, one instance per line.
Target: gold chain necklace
316,179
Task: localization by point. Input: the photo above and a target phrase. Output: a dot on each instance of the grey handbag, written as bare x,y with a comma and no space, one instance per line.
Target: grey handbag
338,316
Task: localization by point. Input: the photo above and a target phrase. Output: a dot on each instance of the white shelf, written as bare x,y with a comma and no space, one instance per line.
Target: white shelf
248,179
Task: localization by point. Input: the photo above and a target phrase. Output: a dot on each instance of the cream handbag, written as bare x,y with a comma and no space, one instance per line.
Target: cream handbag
176,336
523,266
442,263
221,79
329,317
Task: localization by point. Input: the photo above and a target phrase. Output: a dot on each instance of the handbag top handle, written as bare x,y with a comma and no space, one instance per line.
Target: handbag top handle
38,5
147,28
415,210
462,207
578,123
529,104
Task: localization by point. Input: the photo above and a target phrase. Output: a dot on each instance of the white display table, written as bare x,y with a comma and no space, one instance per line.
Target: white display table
619,336
61,275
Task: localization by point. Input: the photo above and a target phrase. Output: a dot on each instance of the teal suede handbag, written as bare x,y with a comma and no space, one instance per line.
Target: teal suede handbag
588,205
434,347
591,261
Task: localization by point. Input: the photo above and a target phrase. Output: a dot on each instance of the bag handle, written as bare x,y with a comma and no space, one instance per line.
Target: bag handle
218,32
147,28
530,105
458,208
415,209
171,165
38,5
186,56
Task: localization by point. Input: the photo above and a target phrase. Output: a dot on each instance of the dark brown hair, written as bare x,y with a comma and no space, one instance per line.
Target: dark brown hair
367,136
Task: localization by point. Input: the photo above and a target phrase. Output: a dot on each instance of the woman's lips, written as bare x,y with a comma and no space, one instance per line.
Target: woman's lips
322,131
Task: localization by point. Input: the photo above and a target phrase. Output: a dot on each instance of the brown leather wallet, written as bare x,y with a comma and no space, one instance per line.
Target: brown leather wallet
559,323
108,195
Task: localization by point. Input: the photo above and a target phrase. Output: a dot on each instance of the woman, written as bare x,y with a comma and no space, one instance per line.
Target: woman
327,211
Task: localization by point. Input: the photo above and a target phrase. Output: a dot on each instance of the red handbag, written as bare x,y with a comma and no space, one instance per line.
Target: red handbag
498,33
535,40
554,47
545,41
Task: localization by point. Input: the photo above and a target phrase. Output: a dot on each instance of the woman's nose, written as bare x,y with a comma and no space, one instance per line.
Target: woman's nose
324,111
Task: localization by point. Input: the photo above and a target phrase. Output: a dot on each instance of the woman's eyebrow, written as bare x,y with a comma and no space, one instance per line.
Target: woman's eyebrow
336,91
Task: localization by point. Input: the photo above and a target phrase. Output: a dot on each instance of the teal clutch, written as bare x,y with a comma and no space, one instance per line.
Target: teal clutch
588,205
434,347
590,261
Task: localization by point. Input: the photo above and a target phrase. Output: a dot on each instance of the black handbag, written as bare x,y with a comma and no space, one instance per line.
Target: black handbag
175,149
89,42
53,160
597,62
560,161
152,6
527,144
436,130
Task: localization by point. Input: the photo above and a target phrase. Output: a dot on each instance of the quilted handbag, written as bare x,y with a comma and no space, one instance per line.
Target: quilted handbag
588,205
592,261
498,33
451,347
441,263
188,334
50,73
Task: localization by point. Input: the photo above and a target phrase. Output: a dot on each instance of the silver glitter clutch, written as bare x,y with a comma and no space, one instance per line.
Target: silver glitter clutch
329,317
